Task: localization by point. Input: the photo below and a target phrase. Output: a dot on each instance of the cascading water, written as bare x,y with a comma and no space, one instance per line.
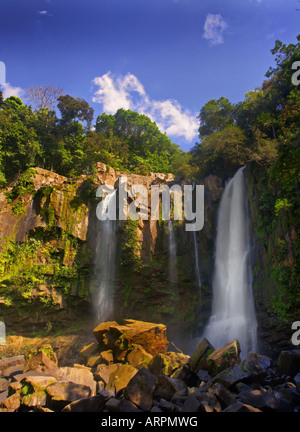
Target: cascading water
172,254
196,266
233,314
105,263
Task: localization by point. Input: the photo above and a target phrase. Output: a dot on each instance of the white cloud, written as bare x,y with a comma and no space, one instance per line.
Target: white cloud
128,92
214,28
9,90
43,12
115,94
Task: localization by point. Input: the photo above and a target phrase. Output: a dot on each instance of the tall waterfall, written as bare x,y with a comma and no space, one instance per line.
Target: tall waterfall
105,263
196,265
233,314
172,254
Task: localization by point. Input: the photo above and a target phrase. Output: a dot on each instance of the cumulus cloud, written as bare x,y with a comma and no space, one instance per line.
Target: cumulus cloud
128,92
214,28
9,90
117,93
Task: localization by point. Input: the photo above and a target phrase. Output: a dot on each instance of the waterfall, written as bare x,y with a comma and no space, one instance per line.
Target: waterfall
196,265
105,263
233,314
172,254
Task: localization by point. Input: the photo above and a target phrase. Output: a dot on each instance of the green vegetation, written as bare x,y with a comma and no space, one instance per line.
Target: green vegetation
262,131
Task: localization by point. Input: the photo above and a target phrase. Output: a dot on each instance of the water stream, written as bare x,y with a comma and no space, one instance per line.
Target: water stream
233,314
105,264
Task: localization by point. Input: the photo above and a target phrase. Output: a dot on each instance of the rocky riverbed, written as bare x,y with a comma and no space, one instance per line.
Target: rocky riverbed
131,367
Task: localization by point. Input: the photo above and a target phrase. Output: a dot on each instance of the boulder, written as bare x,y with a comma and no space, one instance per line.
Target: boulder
104,371
89,351
166,387
15,361
191,404
224,396
256,365
113,404
198,358
122,338
60,394
259,399
209,402
297,381
253,368
107,357
41,358
240,407
80,376
185,374
127,406
229,377
10,404
119,379
3,384
139,357
90,404
140,389
100,332
289,362
224,357
166,364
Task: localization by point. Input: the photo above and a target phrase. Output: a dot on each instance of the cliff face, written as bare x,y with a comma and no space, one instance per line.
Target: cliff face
48,240
274,264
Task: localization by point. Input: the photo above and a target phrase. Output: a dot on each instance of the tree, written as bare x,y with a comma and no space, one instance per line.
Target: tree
43,96
74,108
215,116
20,148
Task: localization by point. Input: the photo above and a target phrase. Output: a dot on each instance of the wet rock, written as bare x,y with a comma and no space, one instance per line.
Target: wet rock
224,357
198,358
140,389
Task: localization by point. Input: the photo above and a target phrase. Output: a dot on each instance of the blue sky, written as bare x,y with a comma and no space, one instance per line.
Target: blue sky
165,58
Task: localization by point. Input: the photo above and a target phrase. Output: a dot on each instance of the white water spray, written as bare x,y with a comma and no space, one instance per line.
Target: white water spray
196,266
233,314
105,263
